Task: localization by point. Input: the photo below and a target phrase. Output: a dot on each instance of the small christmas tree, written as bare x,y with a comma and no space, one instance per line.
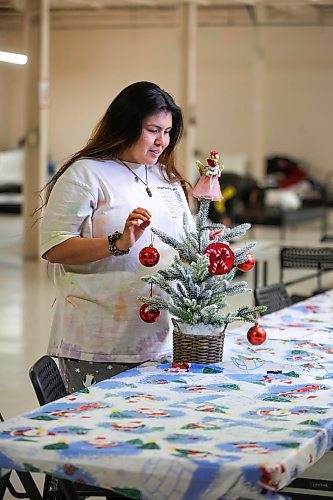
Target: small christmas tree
200,278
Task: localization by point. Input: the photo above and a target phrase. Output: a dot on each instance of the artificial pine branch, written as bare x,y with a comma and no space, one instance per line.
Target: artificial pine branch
181,248
236,232
202,215
154,302
172,242
200,269
240,253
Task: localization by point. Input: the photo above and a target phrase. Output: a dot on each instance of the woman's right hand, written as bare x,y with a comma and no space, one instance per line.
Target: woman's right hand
79,250
135,225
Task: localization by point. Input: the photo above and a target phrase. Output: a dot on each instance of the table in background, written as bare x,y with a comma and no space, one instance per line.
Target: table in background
245,427
284,219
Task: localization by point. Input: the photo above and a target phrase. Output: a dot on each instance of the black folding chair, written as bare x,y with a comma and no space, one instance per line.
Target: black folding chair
47,380
49,386
29,485
274,297
328,238
319,259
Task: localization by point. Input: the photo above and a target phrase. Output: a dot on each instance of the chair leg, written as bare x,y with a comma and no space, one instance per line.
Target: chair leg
4,481
68,489
29,485
320,283
53,489
47,487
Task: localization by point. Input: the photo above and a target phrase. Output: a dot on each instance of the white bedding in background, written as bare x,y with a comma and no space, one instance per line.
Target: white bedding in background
11,167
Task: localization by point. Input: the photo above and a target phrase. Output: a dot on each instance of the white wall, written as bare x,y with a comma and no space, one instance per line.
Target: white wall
225,90
89,67
300,108
12,92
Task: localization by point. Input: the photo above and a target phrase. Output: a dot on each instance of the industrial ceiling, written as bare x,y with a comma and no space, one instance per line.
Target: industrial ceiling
71,14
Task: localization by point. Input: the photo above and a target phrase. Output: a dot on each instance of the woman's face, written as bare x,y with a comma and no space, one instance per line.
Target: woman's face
155,137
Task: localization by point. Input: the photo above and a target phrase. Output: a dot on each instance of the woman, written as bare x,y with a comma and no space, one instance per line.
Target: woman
99,207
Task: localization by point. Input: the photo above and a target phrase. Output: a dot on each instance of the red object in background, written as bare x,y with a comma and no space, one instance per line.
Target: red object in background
289,173
149,256
256,335
221,258
286,171
248,264
149,316
291,180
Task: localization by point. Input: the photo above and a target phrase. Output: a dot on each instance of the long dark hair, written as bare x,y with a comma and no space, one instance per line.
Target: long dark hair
121,127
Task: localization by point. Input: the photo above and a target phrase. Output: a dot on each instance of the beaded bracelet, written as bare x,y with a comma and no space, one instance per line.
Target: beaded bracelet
114,250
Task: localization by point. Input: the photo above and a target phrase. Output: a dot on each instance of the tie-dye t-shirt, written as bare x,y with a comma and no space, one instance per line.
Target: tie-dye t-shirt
96,315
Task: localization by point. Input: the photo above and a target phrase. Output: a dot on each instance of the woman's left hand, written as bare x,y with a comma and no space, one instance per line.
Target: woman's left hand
135,225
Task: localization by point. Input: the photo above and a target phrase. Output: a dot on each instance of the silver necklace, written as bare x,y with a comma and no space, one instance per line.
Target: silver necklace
137,178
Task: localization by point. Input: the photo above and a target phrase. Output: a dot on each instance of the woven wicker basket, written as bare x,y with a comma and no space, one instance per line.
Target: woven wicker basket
203,349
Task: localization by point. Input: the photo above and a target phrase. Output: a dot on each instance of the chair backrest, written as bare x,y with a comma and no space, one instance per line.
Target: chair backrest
320,259
274,297
46,380
304,257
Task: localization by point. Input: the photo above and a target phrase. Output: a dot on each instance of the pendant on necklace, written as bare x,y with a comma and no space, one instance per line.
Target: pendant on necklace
150,194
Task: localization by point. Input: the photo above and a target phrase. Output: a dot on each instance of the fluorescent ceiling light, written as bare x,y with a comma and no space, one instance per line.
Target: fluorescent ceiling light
13,58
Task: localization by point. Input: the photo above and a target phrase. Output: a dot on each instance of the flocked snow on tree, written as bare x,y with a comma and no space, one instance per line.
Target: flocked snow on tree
200,279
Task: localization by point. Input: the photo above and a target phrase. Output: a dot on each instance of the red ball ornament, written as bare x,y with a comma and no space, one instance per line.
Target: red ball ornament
221,258
149,256
256,335
248,264
149,316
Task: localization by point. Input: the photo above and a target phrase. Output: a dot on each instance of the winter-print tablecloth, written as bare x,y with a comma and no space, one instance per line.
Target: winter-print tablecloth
245,427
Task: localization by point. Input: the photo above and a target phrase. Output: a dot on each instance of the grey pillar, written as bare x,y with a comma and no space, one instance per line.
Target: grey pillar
188,72
36,144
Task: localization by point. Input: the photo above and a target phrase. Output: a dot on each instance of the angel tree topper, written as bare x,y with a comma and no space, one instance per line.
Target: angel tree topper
208,186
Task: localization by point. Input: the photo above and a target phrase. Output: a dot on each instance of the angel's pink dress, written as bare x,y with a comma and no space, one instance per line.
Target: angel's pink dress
208,188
